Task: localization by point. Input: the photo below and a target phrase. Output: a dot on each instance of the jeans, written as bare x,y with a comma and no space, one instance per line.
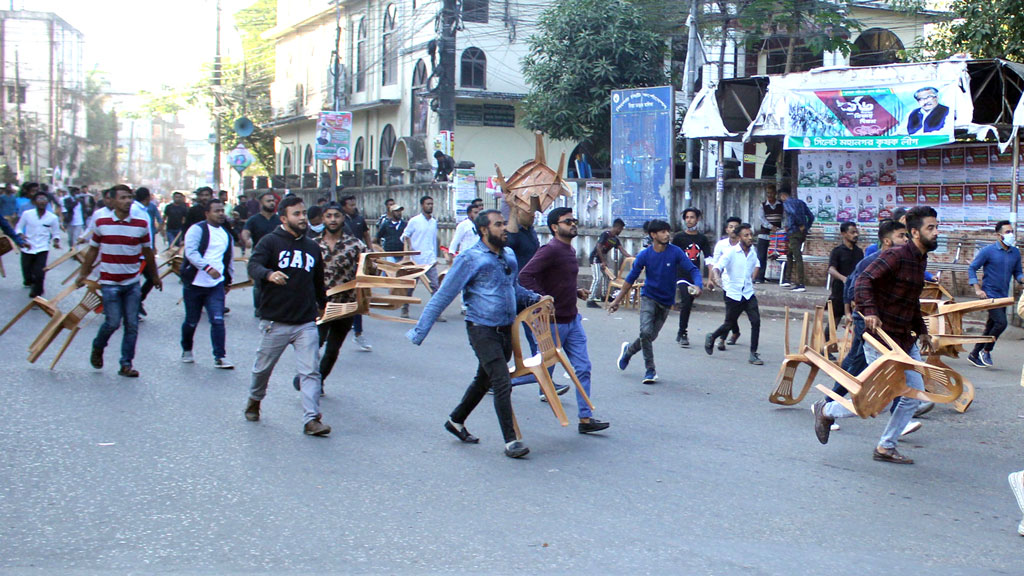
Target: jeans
357,324
795,256
305,340
34,274
120,302
574,343
904,411
493,348
854,363
685,300
762,257
212,298
994,326
598,282
333,335
652,317
733,309
173,238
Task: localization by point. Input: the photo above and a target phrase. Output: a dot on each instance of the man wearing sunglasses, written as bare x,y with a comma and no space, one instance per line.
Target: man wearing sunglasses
485,275
553,271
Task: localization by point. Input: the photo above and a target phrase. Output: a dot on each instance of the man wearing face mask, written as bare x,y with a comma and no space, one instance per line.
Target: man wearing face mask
999,263
315,219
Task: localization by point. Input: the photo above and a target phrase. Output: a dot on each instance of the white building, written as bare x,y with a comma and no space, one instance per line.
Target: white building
386,63
42,109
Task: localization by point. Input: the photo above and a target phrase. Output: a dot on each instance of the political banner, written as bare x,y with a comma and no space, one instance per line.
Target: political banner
334,136
642,164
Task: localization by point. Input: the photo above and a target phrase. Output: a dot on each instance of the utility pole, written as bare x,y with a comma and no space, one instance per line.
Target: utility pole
691,84
446,84
216,105
336,96
17,102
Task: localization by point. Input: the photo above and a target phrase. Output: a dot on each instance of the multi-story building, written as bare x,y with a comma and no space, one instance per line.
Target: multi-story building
388,59
42,109
151,152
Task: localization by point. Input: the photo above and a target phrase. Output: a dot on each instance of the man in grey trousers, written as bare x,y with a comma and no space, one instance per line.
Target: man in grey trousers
290,270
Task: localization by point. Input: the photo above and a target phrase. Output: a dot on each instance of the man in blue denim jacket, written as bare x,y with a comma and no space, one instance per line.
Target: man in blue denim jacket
486,275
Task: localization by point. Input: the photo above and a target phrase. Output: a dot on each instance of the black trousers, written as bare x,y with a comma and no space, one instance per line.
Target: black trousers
685,300
333,335
762,257
150,277
493,348
994,326
33,273
733,309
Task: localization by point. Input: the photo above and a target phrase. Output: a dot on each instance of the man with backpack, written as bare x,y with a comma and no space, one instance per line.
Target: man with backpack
206,276
798,220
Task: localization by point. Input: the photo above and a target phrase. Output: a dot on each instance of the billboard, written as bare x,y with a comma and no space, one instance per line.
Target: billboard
333,136
642,145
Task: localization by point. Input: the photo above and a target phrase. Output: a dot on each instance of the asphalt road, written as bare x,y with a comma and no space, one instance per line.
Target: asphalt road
698,474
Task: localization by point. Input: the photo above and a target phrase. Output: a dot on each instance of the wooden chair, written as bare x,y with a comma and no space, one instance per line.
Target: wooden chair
77,253
783,393
935,291
618,280
6,245
47,306
538,318
365,299
534,186
70,321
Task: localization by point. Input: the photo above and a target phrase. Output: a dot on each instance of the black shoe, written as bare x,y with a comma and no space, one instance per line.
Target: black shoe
463,434
684,341
822,423
227,310
516,450
721,344
709,344
594,425
96,358
128,372
295,383
592,304
732,339
252,410
142,310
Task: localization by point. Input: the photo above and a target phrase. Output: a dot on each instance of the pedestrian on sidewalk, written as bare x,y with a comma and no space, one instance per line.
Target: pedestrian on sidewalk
999,263
39,228
797,221
888,293
600,260
554,271
290,269
664,264
697,247
770,220
735,272
206,279
122,242
485,274
841,263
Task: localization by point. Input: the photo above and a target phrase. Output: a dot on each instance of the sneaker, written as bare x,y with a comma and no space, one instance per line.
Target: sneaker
786,284
128,372
911,427
187,358
709,344
363,344
560,389
683,340
799,288
441,319
594,425
223,364
834,427
142,310
516,450
732,339
974,359
822,423
650,377
252,410
924,408
96,358
755,359
593,304
986,357
721,344
623,360
227,310
405,313
316,428
1017,485
296,384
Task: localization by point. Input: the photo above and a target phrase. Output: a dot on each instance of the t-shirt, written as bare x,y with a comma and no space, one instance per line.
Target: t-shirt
605,243
693,245
259,226
524,244
120,244
422,234
355,225
174,216
663,269
844,260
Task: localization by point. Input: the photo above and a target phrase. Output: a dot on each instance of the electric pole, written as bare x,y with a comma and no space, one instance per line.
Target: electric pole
216,105
336,96
446,83
691,84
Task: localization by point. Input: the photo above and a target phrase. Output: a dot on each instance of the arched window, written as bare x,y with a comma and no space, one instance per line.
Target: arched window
419,104
387,146
286,162
361,56
474,11
358,153
474,68
307,160
389,48
875,47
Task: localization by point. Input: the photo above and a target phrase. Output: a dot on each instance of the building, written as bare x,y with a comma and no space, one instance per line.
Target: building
151,152
387,60
42,109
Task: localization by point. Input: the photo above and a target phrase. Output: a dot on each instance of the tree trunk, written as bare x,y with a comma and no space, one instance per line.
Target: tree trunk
790,48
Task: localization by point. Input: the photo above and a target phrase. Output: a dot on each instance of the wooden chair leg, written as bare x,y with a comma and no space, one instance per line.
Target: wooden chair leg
572,374
515,426
548,387
71,336
17,317
52,326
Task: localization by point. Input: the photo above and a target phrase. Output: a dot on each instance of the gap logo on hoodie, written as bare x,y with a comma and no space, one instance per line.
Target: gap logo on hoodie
295,259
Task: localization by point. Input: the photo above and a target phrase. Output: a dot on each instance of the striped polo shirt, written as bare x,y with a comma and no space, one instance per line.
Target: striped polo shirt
120,244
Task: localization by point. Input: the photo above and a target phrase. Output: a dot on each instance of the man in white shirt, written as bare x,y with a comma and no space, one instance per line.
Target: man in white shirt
735,272
206,276
727,243
465,233
38,227
74,215
421,236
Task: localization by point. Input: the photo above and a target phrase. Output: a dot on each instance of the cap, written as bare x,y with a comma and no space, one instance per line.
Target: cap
397,208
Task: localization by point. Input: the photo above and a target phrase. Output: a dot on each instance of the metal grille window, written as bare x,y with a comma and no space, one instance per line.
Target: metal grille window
474,11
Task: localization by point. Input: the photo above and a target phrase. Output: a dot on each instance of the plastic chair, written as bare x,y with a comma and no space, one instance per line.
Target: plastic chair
617,281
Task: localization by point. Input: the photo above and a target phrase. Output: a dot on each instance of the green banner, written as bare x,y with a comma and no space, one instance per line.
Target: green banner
864,142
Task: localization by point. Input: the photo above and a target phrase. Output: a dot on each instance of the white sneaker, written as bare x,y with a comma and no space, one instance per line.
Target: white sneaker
363,344
1017,485
223,364
911,427
186,358
786,284
834,427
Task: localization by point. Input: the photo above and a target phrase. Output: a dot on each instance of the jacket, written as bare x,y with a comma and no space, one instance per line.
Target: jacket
190,268
299,301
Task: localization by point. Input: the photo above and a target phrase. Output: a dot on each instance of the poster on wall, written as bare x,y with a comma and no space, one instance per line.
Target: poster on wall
643,135
951,205
848,205
929,167
976,203
907,167
464,188
334,136
929,195
847,171
906,196
999,196
867,205
887,170
977,170
594,204
888,202
1000,165
953,166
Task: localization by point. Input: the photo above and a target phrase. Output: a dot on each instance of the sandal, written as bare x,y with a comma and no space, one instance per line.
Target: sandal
890,456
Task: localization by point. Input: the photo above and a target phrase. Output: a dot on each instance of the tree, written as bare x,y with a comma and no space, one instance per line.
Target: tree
100,163
820,25
585,49
980,29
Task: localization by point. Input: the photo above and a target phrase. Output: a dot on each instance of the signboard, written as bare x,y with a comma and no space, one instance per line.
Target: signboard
642,142
909,115
240,158
334,136
464,187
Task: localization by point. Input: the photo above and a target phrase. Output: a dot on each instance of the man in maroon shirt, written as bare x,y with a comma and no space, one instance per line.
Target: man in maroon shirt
553,271
888,294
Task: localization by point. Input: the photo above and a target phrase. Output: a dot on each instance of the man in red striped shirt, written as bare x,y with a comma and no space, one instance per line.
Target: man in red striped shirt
119,240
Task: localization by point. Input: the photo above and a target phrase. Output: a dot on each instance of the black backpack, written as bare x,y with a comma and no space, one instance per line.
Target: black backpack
189,271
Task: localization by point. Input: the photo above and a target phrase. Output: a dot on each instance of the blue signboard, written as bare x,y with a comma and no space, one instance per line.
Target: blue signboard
642,142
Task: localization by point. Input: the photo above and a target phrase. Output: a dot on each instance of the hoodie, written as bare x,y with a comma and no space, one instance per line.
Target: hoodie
299,301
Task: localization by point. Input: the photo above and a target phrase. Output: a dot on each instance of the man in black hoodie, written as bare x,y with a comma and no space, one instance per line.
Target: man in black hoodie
289,268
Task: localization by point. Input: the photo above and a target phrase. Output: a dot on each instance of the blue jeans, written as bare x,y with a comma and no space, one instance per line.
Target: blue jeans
574,342
212,298
120,302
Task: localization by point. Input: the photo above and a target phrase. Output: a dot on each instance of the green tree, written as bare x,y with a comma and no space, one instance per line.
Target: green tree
993,29
821,25
100,163
583,50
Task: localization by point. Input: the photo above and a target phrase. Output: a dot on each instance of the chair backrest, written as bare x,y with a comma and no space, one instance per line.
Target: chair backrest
538,318
627,265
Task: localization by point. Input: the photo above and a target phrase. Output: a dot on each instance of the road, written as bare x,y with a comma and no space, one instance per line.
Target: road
698,474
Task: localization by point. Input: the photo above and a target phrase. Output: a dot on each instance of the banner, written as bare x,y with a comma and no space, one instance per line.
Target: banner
333,136
642,140
910,115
